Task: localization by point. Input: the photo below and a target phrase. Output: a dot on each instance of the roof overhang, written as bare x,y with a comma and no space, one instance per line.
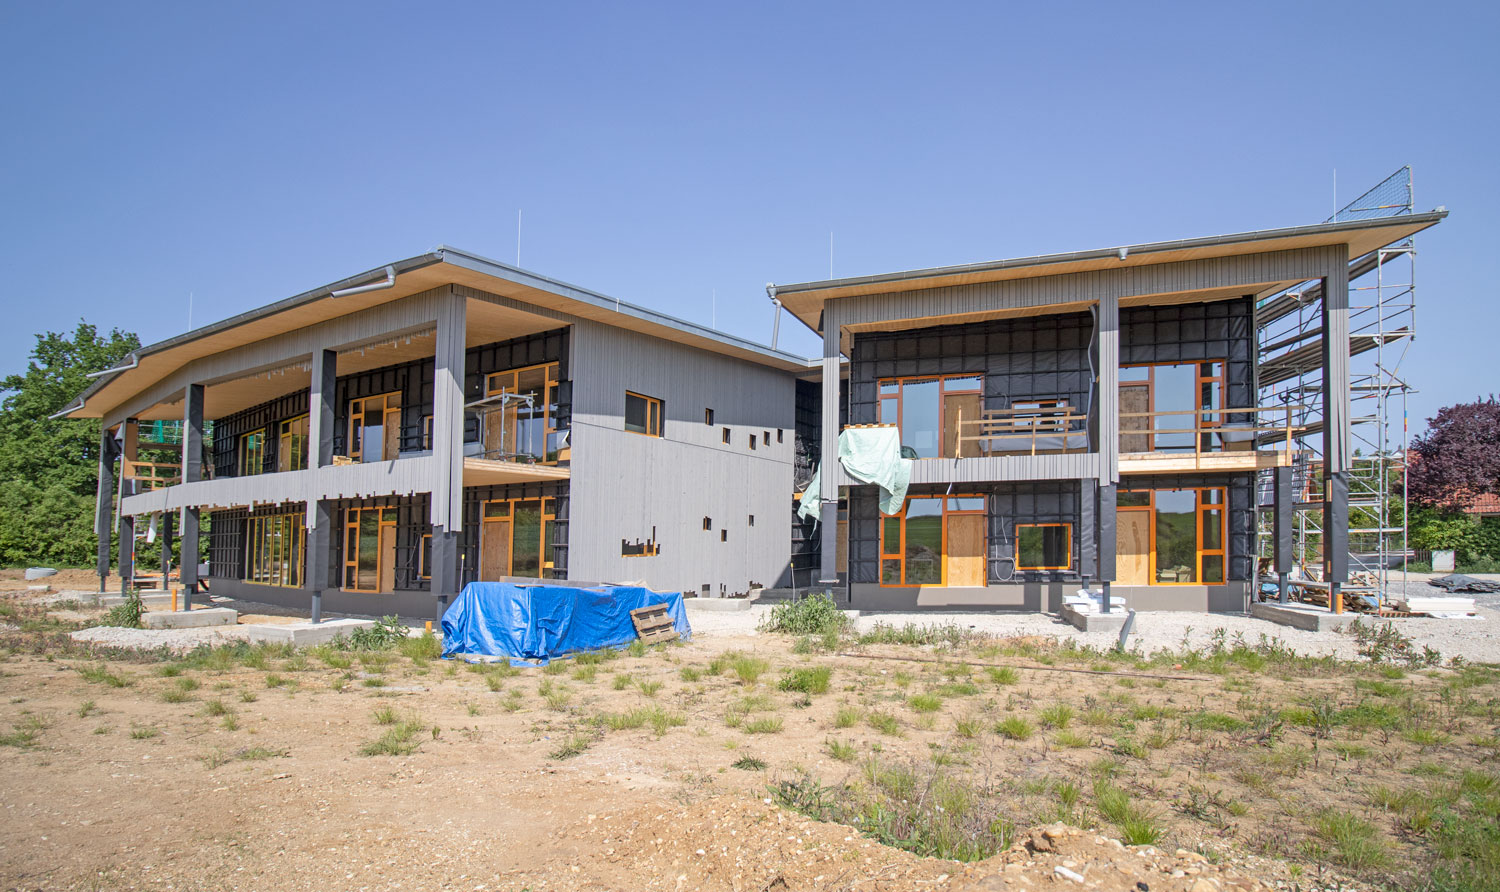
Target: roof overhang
806,300
441,266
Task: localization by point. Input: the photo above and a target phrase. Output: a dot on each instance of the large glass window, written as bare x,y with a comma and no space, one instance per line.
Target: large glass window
521,415
370,549
375,427
291,448
274,550
921,545
932,412
1176,536
1167,407
516,537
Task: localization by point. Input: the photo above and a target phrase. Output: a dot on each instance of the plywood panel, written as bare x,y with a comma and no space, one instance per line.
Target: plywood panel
387,557
1133,548
494,550
966,550
1135,398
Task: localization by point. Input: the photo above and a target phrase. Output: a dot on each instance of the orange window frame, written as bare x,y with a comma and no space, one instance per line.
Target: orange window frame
505,509
900,556
351,545
1200,508
355,446
653,414
1210,419
494,383
899,398
1068,549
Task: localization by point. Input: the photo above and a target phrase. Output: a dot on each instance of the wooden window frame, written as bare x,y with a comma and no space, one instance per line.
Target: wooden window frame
1016,538
351,556
901,543
1216,414
653,414
900,395
549,513
1200,507
257,467
549,396
355,446
288,549
296,460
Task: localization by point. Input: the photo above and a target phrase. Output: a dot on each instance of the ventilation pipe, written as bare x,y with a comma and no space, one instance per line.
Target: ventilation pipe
390,281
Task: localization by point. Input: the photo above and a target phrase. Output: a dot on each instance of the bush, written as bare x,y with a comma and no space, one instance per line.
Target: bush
127,615
384,635
815,614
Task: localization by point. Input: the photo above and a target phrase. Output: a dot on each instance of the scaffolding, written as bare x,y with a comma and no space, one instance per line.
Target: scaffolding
1382,325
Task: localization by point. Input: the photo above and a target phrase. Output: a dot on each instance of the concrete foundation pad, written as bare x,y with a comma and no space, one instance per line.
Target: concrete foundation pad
1301,616
1113,621
306,634
195,619
718,605
149,600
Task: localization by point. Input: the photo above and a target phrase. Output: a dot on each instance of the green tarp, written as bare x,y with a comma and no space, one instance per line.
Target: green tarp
869,455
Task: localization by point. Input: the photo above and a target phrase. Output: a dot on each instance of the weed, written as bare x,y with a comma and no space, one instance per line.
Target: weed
175,695
274,681
622,681
420,648
400,739
260,753
637,648
925,702
144,732
748,763
230,723
585,674
1070,739
98,673
648,688
384,635
766,724
1215,721
815,614
215,708
386,715
1353,840
1014,728
810,680
86,709
574,746
1057,715
884,723
126,615
213,758
748,669
846,717
247,696
968,728
555,667
689,673
841,750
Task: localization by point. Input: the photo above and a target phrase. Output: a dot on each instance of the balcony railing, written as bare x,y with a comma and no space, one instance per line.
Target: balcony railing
1207,431
150,475
1025,431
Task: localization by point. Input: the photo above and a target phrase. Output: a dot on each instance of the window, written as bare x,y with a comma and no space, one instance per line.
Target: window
723,535
1044,546
779,432
519,418
726,436
291,447
370,549
515,538
1164,405
708,523
424,557
929,411
375,427
1172,536
752,442
765,438
752,520
708,417
252,453
934,541
642,414
274,550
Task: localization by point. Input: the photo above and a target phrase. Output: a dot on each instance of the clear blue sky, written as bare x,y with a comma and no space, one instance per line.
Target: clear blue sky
246,152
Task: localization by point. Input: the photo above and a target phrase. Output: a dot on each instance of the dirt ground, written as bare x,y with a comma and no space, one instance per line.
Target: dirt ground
14,580
247,772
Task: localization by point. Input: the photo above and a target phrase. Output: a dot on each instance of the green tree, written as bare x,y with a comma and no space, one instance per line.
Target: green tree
49,468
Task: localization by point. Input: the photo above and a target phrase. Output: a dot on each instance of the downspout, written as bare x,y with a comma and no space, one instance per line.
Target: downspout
776,325
390,281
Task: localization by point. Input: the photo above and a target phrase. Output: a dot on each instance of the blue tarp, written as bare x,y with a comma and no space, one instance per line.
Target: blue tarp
540,622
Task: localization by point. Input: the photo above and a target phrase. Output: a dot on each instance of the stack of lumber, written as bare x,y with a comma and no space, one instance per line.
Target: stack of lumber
1420,604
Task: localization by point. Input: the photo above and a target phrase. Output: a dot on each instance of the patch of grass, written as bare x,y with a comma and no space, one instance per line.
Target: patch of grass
387,715
275,681
846,717
748,669
1215,721
557,696
1057,716
24,733
622,681
230,723
925,702
808,680
215,708
766,724
175,695
555,667
659,719
689,673
86,709
585,674
637,648
1070,740
648,688
332,657
260,753
421,648
748,763
885,723
815,614
842,750
1425,737
1352,841
1014,728
144,732
574,746
247,696
968,728
1003,675
98,673
401,739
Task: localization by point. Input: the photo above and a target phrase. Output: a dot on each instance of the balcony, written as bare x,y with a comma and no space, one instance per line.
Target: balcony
1207,440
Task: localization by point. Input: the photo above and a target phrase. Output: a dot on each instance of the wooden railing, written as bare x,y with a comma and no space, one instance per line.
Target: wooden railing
152,474
1209,427
1024,431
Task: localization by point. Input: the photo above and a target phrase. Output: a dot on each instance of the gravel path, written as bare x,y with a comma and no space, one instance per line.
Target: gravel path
1476,640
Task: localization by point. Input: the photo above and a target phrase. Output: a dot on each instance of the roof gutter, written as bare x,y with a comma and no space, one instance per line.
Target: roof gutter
390,282
134,361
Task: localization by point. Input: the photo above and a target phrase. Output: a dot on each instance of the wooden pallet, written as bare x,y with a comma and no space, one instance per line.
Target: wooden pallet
653,625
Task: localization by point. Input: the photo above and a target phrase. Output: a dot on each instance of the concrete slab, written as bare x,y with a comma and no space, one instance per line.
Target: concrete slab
1301,616
195,619
718,605
149,600
1113,621
306,634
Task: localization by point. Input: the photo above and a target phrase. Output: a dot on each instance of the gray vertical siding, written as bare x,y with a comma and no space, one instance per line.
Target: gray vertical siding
625,484
447,466
1108,327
